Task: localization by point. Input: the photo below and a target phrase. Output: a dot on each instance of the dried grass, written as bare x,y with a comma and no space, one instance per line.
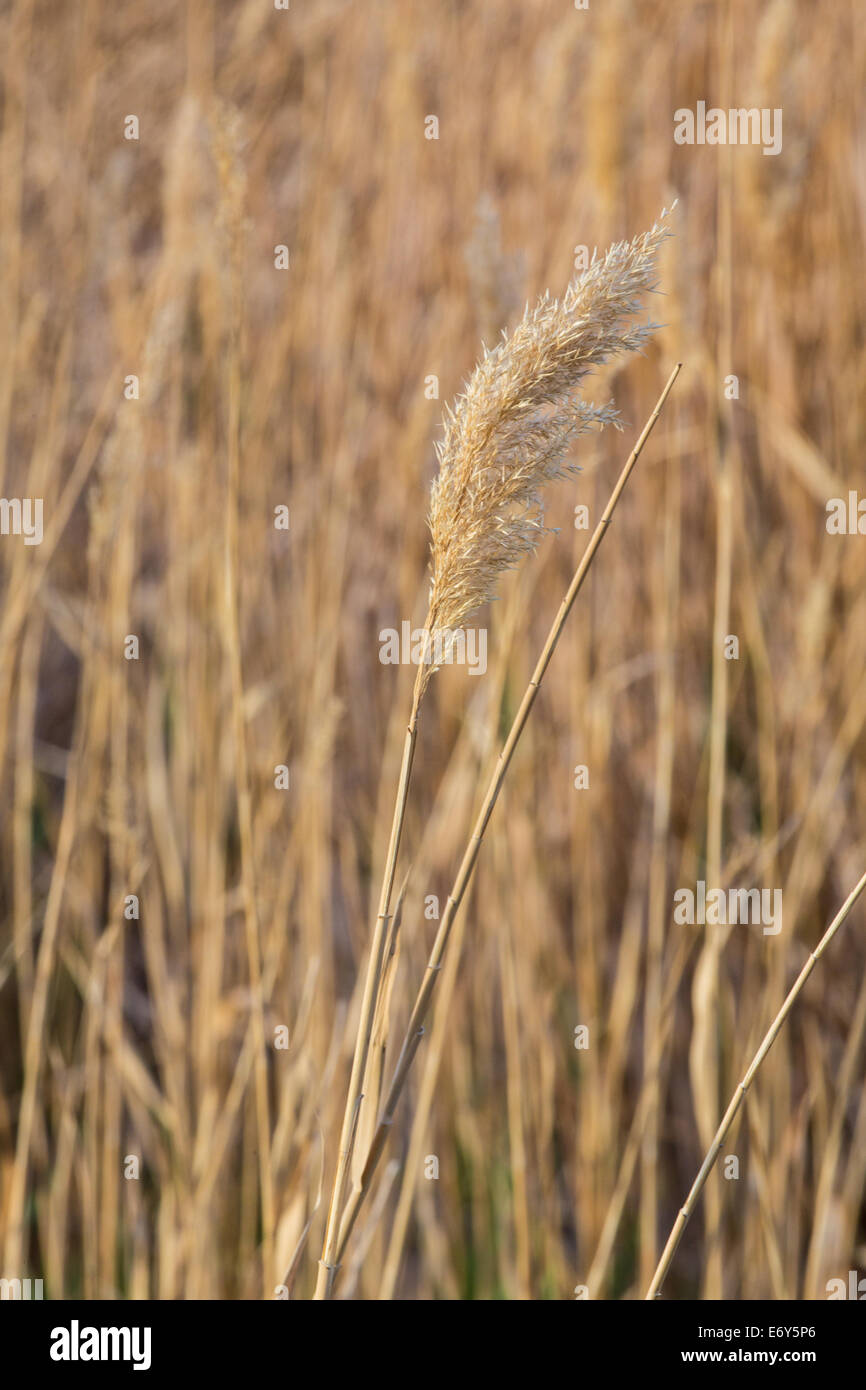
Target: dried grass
141,1037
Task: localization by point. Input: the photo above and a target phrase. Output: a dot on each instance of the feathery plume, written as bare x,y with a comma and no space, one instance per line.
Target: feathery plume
511,430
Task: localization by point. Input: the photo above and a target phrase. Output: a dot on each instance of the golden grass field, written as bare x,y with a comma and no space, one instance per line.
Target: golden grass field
155,1140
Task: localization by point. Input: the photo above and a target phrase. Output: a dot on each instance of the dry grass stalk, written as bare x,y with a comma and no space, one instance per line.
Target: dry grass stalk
737,1099
508,435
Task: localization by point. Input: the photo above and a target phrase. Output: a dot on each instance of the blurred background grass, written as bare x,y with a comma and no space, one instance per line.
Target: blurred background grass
142,1037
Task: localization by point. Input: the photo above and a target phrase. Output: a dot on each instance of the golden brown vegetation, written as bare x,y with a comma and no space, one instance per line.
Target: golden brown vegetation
154,1037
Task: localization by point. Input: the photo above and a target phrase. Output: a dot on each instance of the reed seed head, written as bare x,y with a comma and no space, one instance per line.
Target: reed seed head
511,430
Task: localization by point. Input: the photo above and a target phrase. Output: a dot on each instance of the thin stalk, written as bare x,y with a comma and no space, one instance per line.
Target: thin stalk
737,1098
329,1263
415,1028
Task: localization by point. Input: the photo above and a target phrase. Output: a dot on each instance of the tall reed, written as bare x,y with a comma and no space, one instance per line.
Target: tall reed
509,433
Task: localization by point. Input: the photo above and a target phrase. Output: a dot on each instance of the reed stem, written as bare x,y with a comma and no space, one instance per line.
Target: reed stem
328,1263
737,1098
